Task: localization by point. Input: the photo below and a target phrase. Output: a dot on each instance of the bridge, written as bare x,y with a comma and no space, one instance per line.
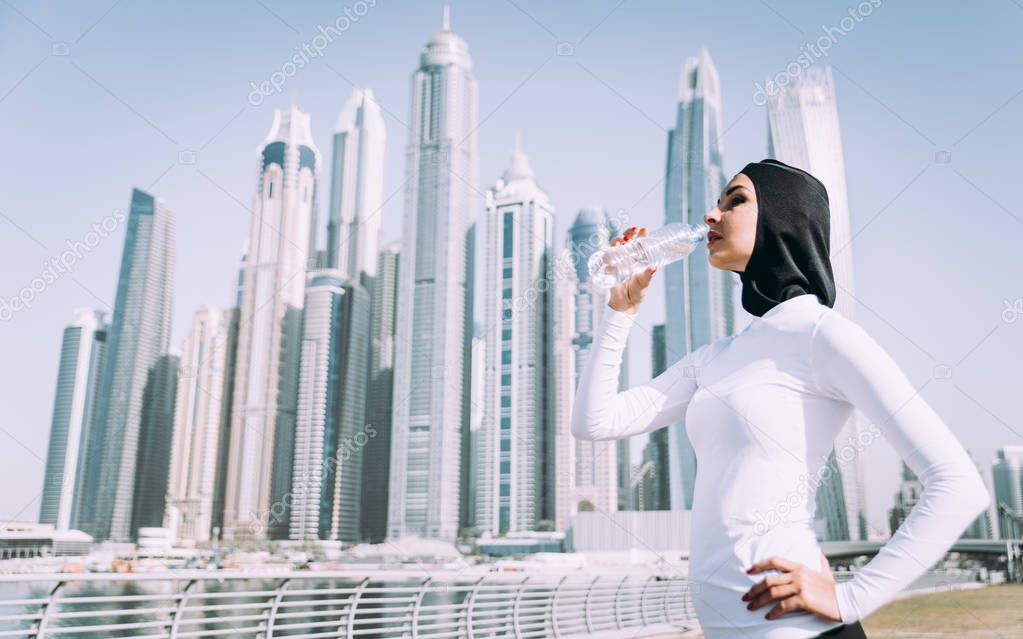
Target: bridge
846,549
1009,551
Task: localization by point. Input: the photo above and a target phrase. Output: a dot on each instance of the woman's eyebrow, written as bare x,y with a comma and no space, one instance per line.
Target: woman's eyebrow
732,188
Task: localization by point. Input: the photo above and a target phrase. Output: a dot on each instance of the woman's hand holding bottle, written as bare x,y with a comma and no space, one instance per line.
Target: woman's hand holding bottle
627,296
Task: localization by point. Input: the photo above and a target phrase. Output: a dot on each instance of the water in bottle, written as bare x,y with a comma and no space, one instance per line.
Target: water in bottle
613,265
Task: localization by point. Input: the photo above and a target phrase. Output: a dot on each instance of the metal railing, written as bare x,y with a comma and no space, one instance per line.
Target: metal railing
305,604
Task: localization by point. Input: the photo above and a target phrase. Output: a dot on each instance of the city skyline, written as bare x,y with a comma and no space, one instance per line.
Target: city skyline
227,278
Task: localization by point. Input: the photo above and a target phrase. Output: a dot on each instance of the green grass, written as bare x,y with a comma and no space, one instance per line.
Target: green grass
994,611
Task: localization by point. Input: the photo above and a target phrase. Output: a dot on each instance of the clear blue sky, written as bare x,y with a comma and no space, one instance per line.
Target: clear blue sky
135,84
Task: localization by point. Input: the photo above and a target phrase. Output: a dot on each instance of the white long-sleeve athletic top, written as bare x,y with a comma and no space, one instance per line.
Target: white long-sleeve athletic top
763,408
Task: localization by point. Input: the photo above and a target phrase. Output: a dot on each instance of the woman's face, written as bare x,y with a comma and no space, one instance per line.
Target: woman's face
733,225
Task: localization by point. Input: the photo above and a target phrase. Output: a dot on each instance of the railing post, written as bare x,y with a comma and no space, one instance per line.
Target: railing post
182,602
554,607
51,602
274,604
516,623
415,606
618,604
642,602
667,611
586,605
352,606
470,600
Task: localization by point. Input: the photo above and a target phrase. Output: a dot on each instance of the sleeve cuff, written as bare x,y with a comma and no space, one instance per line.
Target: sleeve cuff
618,324
846,609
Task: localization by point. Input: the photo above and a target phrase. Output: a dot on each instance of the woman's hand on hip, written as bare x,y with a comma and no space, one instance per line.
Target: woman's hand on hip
797,587
626,297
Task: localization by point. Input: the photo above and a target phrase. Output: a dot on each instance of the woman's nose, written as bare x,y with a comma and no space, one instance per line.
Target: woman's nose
713,216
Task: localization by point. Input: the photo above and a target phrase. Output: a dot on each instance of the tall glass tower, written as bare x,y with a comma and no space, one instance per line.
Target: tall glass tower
138,337
434,331
512,480
198,417
155,438
1007,475
74,406
379,396
587,471
356,187
279,251
803,131
330,434
700,301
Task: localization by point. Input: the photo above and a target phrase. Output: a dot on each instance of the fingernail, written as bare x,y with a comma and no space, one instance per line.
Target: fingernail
749,606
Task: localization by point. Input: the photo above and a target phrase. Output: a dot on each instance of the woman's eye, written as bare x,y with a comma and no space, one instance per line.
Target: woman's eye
736,201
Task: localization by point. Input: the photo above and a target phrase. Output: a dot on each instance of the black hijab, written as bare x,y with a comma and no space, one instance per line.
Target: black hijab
791,254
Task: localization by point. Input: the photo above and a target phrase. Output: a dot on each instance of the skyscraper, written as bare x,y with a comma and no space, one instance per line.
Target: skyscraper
1007,473
515,431
587,470
330,434
656,450
433,336
356,187
74,405
803,131
981,527
138,337
476,410
270,323
198,424
379,396
156,431
700,301
910,489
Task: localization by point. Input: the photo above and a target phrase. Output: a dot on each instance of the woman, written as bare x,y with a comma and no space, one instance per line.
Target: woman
762,410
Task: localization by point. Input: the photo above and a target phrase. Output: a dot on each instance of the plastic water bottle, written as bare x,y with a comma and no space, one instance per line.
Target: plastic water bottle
615,264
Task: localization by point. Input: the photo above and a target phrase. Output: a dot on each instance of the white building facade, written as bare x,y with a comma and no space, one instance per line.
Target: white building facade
434,330
266,370
330,435
356,186
198,416
513,478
